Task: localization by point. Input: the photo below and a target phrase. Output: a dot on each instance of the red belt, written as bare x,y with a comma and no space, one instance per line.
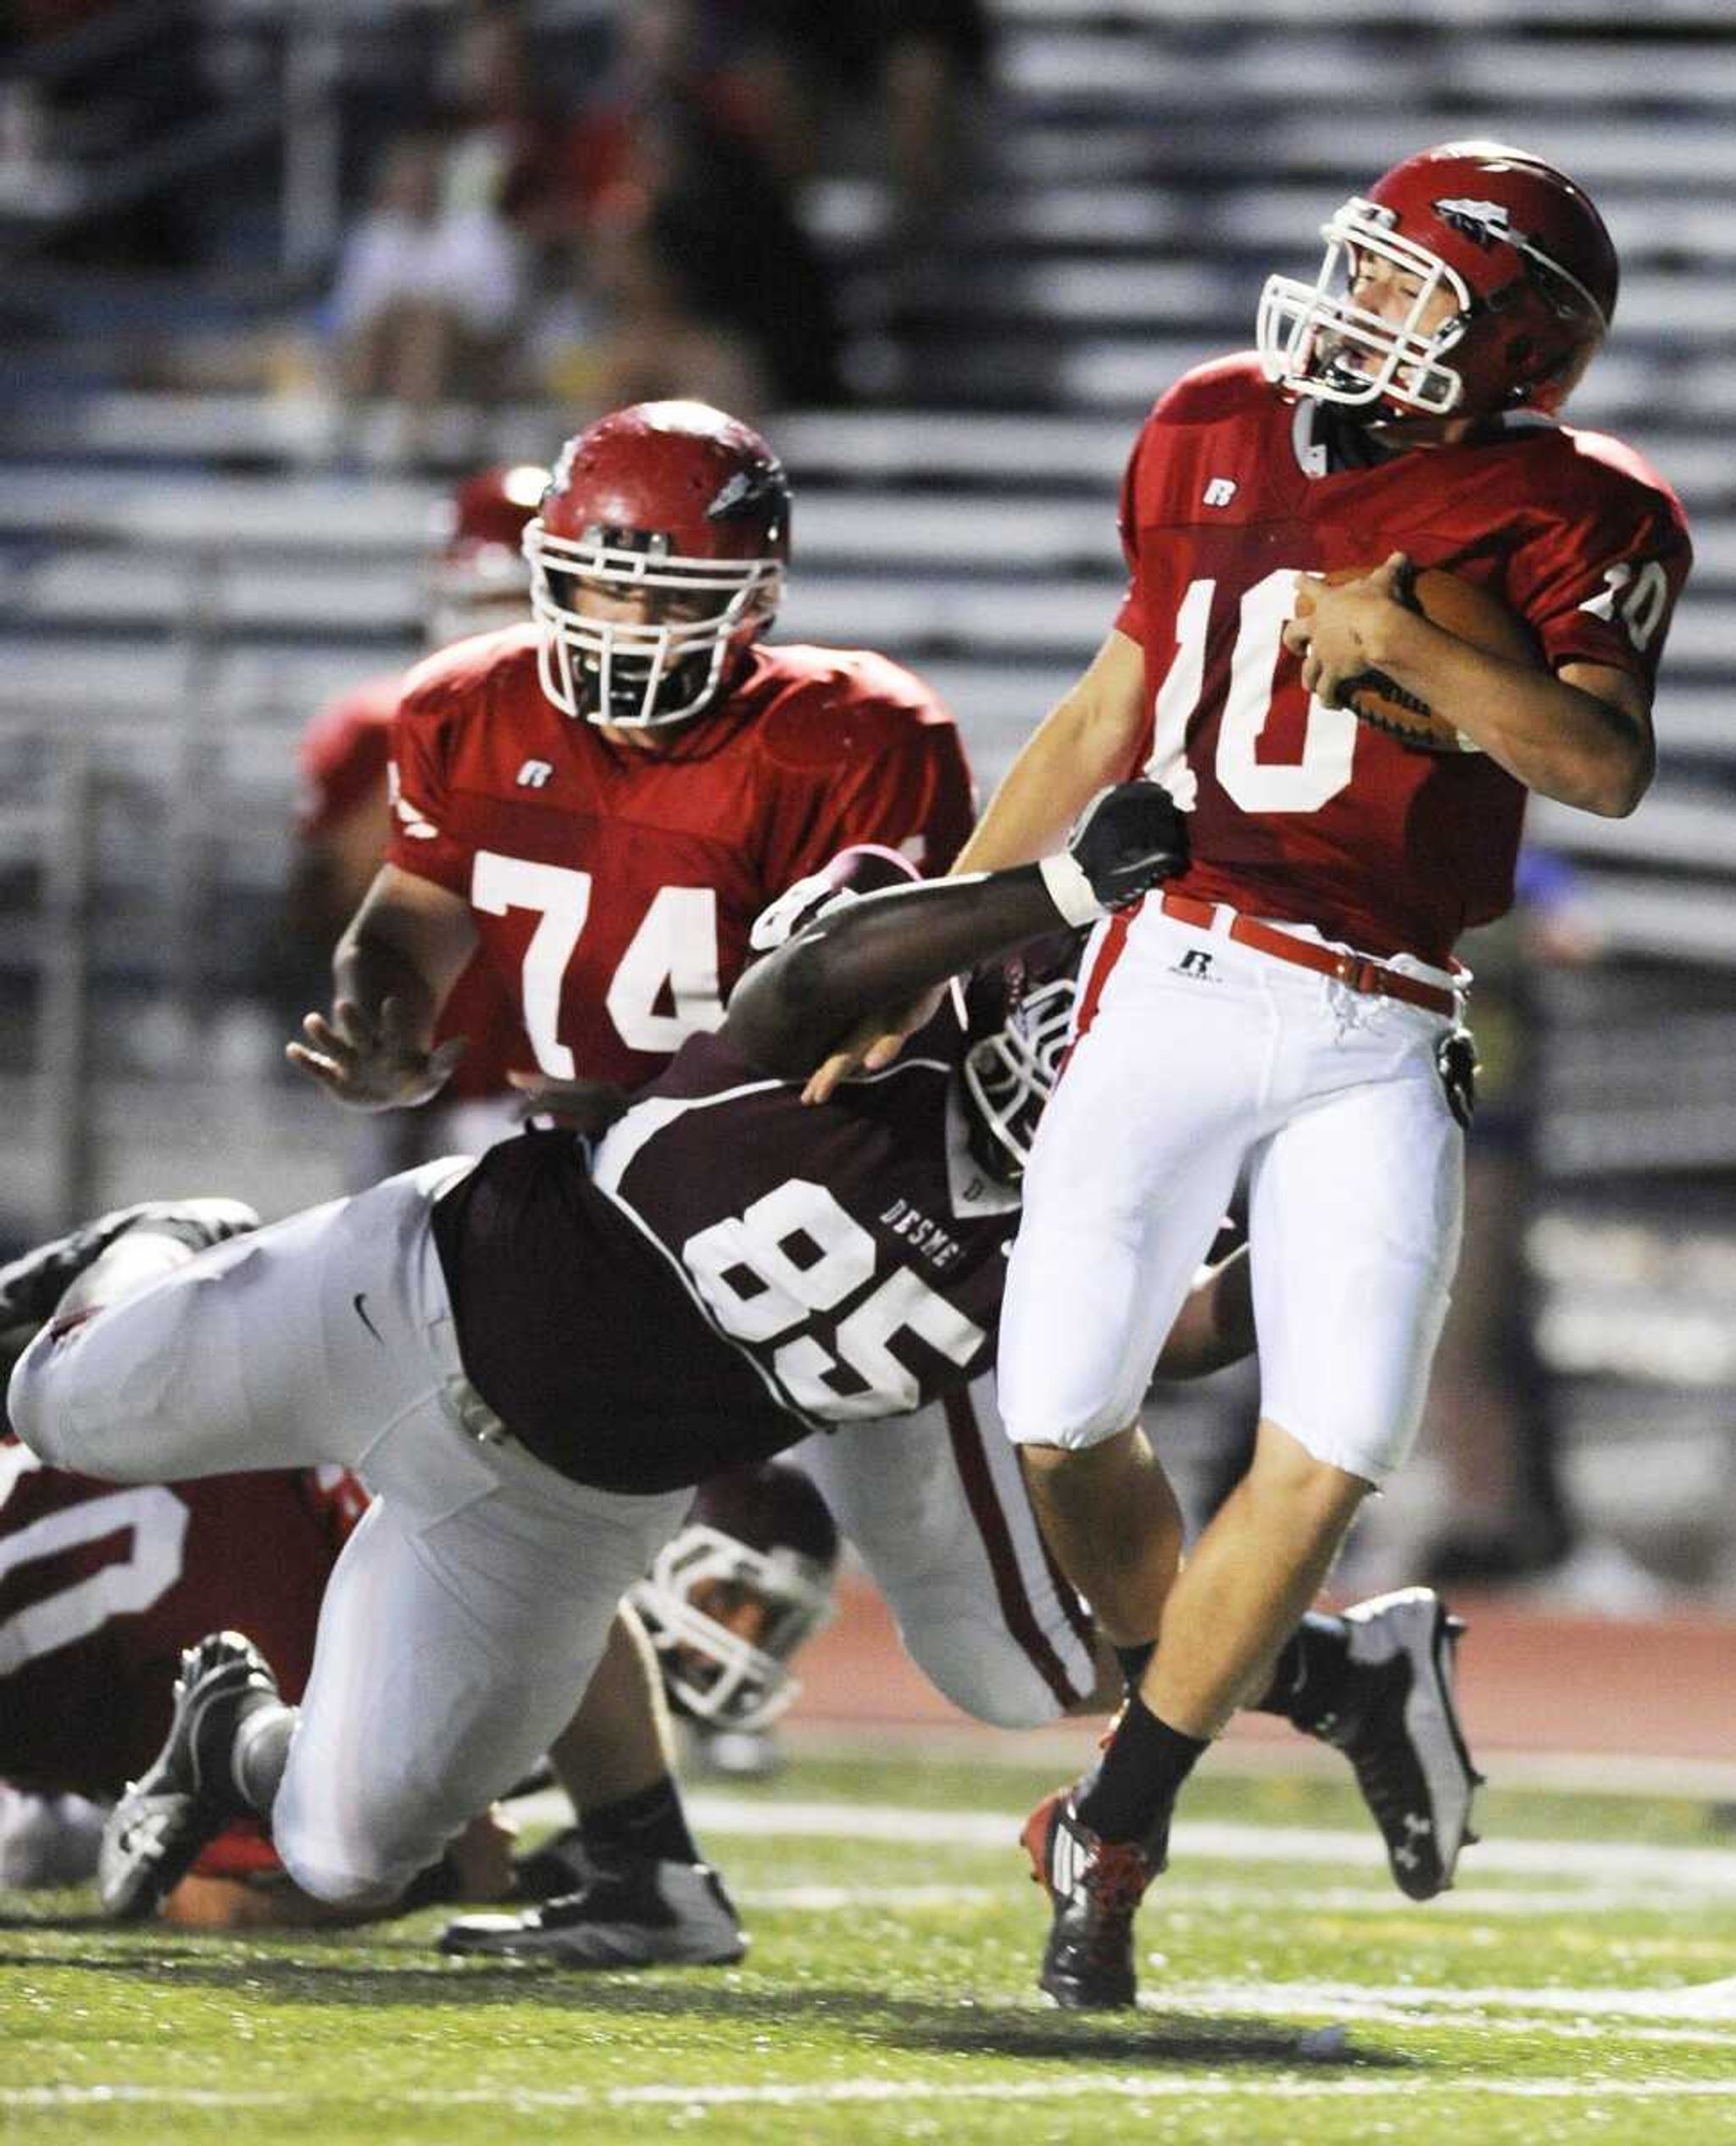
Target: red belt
1350,970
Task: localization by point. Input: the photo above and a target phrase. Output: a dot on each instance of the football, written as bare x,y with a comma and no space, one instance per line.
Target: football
1457,606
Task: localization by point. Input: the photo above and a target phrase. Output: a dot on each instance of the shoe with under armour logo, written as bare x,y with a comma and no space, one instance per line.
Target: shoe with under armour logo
1094,1887
634,1912
32,1284
1397,1721
188,1795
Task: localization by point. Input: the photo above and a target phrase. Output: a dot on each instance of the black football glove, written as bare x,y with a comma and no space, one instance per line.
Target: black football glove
1123,843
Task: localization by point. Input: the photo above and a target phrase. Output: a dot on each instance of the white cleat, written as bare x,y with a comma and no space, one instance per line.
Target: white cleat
1398,1725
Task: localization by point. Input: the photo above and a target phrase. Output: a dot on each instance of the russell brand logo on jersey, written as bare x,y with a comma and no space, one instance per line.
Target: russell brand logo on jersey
1196,961
534,775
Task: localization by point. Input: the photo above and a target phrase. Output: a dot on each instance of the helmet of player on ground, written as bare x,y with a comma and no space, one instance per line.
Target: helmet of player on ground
731,1598
656,562
477,579
864,868
1018,1015
1501,282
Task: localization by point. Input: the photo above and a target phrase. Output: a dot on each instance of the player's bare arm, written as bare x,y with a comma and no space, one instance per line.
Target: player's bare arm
884,949
587,1108
1582,735
1086,740
403,951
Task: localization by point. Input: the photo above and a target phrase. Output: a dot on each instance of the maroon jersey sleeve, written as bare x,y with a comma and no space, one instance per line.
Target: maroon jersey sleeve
103,1585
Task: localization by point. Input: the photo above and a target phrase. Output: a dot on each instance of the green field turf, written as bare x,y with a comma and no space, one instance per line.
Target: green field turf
1568,1991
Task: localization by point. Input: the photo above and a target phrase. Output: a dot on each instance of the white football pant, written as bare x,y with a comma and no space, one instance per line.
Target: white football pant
466,1613
1199,1058
936,1506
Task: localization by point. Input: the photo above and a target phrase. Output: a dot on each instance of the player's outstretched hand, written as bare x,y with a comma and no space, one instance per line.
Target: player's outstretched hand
372,1061
1127,841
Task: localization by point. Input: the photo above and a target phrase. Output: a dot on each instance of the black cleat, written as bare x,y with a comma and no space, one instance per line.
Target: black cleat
561,1866
634,1912
188,1795
1094,1887
33,1284
1398,1724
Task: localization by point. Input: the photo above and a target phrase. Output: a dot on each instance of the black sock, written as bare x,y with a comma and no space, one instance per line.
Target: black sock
1133,1660
1309,1677
260,1751
649,1823
1130,1795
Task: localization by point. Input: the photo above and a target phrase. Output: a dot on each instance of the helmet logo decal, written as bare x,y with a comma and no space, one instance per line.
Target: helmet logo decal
1484,223
745,489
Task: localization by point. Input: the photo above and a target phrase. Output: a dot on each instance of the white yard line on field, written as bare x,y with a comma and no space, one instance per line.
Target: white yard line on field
1550,2008
1704,1871
1366,1901
1259,1756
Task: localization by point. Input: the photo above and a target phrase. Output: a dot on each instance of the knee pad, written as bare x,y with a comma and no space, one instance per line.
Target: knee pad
327,1876
985,1673
28,1410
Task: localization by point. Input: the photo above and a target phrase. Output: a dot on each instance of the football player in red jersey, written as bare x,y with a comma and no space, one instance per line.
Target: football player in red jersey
603,800
477,582
598,804
102,1589
1282,1007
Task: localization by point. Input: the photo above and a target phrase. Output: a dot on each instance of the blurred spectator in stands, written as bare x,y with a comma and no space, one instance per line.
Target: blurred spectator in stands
891,86
626,331
693,275
99,106
509,133
430,286
478,581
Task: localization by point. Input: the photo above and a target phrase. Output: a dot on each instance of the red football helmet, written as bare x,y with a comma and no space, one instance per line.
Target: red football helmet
1518,248
731,1597
478,580
679,516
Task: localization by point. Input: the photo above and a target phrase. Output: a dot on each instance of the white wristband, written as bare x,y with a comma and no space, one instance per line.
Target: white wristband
1069,889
